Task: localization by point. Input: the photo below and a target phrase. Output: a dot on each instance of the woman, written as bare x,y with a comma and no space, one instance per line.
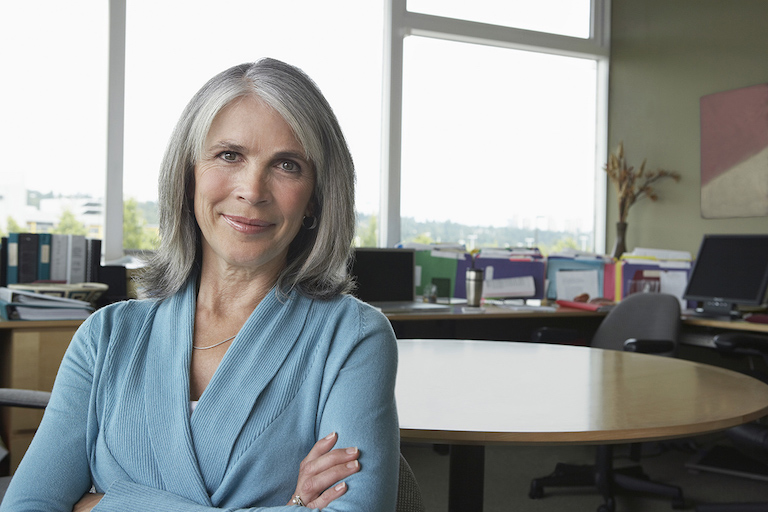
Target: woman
231,384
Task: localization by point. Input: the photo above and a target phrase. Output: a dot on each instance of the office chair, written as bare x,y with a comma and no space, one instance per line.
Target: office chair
409,498
642,322
20,398
751,439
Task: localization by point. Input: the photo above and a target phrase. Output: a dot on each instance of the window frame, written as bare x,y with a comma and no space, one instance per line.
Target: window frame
400,23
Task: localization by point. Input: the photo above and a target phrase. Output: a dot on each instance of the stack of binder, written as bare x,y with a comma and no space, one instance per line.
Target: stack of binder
24,305
43,257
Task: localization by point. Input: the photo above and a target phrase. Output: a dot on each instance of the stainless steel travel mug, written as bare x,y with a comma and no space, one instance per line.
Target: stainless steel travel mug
474,286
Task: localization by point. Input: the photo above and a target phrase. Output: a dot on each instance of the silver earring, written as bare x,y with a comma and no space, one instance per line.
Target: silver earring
310,227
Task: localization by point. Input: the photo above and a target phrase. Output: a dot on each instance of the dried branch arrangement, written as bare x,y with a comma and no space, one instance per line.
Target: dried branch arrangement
632,184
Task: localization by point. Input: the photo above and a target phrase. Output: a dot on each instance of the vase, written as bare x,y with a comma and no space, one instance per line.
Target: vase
620,245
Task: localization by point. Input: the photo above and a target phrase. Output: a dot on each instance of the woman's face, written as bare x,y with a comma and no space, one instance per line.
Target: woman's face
253,186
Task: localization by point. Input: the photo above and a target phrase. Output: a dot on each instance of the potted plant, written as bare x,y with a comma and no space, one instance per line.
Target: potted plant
631,186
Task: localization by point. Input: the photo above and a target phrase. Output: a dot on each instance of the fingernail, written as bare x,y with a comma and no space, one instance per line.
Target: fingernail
331,435
341,486
352,465
352,450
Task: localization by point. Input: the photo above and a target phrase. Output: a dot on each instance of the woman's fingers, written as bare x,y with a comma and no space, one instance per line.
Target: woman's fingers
323,446
87,502
323,476
327,461
328,496
323,469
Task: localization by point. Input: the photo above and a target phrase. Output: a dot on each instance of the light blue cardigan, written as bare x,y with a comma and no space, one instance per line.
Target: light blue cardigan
298,370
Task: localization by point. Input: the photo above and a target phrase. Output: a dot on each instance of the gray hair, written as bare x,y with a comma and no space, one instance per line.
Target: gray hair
317,258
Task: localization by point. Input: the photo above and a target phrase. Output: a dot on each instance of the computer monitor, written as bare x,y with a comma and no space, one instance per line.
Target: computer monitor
729,271
384,275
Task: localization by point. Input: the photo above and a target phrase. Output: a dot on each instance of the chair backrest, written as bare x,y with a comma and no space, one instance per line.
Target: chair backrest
647,316
19,398
409,497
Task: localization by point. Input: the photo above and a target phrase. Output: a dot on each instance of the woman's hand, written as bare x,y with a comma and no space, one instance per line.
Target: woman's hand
87,502
322,468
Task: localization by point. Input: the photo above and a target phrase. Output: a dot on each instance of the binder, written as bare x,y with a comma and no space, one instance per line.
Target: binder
29,254
557,264
44,257
59,262
76,256
4,261
12,274
437,264
628,270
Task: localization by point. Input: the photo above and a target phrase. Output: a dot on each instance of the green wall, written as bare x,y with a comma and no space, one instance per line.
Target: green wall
665,55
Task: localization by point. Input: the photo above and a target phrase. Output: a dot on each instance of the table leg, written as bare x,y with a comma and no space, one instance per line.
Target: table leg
467,477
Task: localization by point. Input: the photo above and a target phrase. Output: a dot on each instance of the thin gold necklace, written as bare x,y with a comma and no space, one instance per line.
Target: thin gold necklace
215,344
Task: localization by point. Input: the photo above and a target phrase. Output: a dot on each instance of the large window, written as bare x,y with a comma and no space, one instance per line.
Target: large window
492,119
495,132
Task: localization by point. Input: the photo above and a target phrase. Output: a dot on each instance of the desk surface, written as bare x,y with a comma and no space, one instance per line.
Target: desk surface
482,392
459,312
38,324
732,325
496,312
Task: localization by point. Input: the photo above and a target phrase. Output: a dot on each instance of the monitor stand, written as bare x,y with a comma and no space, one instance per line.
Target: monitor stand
719,309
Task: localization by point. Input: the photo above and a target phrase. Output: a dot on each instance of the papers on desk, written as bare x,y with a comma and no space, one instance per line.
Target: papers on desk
658,254
588,306
572,283
523,286
653,270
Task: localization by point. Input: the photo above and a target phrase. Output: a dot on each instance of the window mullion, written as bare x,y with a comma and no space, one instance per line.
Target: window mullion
113,204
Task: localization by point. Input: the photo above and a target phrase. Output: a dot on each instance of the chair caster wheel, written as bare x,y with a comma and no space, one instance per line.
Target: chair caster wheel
536,491
608,506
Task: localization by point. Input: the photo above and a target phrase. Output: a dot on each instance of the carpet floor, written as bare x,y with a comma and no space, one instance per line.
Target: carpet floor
509,470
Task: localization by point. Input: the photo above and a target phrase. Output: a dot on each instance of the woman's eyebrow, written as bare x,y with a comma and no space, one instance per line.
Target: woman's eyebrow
227,145
291,154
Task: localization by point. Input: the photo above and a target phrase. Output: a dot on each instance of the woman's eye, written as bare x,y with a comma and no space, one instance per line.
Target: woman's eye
229,156
289,166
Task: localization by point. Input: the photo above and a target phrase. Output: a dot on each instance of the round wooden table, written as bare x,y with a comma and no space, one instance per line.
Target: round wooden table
473,393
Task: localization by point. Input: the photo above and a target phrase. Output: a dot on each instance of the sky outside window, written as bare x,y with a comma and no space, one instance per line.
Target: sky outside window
175,46
497,137
563,17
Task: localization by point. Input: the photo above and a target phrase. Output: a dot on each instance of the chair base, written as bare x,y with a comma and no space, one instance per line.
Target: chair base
607,480
733,507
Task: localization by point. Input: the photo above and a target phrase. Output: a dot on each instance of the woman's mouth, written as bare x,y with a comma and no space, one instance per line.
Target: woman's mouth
246,225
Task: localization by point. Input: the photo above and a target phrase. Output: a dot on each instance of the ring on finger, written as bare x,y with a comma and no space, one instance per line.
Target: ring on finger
297,501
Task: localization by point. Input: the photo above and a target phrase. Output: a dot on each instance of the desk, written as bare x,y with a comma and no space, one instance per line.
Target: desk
494,323
729,325
473,393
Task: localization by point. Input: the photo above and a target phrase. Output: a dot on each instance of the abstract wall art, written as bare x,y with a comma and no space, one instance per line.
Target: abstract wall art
734,153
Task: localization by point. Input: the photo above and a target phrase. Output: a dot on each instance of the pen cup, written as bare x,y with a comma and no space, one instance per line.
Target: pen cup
474,286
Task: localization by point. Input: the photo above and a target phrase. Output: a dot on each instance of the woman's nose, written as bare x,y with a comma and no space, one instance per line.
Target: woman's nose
254,186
